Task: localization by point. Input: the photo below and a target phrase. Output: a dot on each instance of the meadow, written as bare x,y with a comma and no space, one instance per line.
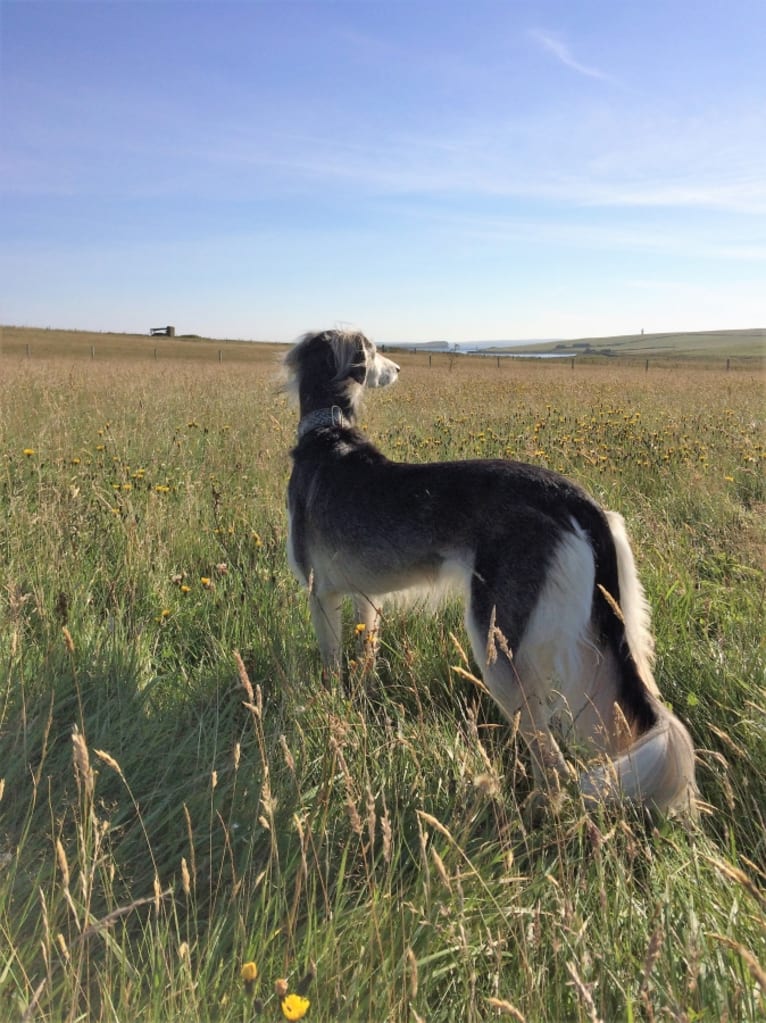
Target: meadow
183,797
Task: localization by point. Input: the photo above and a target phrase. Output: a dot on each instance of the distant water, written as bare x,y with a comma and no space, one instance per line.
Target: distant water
520,355
492,350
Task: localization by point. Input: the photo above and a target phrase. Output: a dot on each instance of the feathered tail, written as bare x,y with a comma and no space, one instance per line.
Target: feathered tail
657,769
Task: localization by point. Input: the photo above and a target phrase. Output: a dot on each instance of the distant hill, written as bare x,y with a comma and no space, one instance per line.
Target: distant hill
702,343
691,344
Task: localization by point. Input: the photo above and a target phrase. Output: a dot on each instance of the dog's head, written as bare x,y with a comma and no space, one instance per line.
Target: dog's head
334,366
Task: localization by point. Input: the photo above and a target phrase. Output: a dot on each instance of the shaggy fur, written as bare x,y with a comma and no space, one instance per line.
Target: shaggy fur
555,612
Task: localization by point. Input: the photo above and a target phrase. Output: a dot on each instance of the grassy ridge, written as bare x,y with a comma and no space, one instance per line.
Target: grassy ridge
218,804
704,344
746,346
35,342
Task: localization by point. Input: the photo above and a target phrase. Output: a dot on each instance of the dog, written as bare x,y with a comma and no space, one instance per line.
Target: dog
556,615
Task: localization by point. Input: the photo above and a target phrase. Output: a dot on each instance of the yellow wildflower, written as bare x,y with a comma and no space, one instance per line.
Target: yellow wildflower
295,1006
249,972
249,975
29,452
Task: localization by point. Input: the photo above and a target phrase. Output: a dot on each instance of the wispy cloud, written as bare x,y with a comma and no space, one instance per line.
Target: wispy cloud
551,44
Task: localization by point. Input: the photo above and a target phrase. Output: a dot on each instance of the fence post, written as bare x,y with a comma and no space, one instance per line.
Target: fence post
93,351
728,365
220,355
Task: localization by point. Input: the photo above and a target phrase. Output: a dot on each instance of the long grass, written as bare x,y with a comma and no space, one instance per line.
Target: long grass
182,794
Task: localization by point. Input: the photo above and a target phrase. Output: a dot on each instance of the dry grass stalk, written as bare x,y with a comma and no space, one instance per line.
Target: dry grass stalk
83,770
584,992
243,677
506,1009
757,972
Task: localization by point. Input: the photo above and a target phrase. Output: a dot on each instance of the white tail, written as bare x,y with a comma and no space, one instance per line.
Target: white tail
657,769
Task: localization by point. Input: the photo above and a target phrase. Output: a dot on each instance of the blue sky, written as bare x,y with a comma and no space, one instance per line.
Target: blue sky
422,170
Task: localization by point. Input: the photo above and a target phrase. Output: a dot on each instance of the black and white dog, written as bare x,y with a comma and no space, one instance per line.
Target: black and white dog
555,612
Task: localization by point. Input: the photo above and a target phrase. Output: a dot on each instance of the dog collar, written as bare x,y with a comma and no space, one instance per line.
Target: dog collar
323,417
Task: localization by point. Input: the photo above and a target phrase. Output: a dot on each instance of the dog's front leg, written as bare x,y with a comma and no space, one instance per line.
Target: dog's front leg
326,618
367,617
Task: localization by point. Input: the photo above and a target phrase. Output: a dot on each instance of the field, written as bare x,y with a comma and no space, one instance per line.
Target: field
182,795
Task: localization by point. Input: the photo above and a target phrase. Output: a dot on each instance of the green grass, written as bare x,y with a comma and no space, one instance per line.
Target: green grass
182,794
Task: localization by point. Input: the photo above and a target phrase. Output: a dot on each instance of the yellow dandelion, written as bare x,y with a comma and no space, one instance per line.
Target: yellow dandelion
360,628
28,452
206,581
249,975
162,489
295,1006
249,972
184,588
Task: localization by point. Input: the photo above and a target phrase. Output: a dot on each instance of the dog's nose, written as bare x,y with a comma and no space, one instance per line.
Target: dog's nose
397,367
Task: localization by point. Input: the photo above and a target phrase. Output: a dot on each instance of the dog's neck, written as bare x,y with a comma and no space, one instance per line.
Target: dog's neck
322,418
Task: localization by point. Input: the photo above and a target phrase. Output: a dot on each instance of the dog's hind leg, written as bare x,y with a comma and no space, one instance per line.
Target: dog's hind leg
530,600
522,695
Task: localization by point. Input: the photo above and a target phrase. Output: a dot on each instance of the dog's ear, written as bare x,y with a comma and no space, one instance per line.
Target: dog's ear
351,354
358,367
